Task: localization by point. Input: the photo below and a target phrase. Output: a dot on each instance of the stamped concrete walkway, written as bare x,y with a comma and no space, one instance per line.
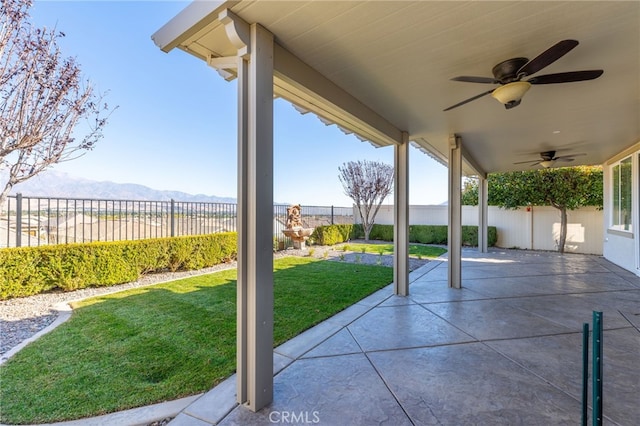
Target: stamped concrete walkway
504,350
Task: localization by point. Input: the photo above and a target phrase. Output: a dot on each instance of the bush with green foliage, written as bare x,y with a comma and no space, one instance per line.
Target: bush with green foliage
470,235
429,234
434,234
334,234
26,271
425,234
381,232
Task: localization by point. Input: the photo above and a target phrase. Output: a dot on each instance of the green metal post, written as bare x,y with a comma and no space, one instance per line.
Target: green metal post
585,372
597,368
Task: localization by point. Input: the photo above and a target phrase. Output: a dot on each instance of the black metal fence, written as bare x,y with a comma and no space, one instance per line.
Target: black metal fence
35,221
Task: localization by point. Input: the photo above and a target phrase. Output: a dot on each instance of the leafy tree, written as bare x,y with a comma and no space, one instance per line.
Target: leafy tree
367,183
470,192
42,100
565,188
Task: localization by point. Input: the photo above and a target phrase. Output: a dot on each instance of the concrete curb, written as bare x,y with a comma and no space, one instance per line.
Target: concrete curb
64,313
135,416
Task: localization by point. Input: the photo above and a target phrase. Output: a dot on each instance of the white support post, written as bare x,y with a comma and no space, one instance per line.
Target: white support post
255,211
259,212
483,214
455,212
401,217
242,227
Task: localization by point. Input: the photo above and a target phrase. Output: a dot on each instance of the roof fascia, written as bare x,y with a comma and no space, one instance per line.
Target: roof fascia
304,86
470,166
188,22
422,145
294,80
624,153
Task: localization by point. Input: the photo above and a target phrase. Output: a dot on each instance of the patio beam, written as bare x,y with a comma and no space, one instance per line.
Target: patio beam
302,85
255,211
454,277
472,166
401,217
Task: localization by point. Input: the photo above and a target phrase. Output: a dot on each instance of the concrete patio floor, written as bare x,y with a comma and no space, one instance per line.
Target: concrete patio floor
504,350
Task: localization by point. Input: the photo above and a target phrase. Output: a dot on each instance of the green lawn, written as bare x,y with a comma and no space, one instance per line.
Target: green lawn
165,341
415,250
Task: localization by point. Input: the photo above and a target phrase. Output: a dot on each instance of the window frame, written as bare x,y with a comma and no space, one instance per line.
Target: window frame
618,172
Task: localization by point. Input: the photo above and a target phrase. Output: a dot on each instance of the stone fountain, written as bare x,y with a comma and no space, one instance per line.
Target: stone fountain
294,229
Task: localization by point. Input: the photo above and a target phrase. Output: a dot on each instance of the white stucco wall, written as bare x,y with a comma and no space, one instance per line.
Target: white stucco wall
620,250
621,247
535,229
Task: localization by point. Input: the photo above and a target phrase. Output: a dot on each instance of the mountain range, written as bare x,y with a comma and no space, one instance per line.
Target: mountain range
61,185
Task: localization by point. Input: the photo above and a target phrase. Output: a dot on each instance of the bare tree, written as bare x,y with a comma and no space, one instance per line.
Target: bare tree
42,100
368,183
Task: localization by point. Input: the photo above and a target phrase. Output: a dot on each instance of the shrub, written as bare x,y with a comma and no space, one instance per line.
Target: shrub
425,234
469,235
326,235
434,234
334,234
19,273
429,234
150,255
381,232
26,271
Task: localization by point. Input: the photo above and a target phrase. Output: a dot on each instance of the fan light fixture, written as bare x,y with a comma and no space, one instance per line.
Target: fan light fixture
511,93
509,75
547,163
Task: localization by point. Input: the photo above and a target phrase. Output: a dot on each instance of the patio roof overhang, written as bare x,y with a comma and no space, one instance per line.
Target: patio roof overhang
379,68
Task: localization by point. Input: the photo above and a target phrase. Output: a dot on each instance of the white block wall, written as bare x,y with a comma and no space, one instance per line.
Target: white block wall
537,228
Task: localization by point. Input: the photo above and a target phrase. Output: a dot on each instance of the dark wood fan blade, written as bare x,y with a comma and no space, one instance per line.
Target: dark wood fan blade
468,100
529,161
547,57
566,77
472,79
569,157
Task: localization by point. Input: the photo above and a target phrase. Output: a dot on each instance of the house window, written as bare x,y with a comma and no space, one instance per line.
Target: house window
622,199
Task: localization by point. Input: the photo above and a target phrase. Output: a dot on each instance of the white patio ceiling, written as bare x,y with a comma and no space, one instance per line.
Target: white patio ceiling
395,60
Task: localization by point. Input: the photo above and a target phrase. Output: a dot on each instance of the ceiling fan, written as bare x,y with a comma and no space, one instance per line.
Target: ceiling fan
548,159
509,74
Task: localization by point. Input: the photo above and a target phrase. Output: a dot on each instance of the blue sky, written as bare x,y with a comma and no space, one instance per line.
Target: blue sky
175,126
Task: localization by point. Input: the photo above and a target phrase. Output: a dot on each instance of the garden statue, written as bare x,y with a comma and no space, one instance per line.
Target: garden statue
294,229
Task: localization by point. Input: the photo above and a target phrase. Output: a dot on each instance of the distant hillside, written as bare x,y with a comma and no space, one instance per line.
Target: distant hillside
61,185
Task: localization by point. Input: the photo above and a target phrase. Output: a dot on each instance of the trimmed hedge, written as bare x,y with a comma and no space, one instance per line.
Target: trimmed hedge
334,234
382,232
26,271
425,234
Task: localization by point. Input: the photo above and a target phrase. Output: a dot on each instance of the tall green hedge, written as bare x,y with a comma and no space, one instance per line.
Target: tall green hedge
26,271
425,234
